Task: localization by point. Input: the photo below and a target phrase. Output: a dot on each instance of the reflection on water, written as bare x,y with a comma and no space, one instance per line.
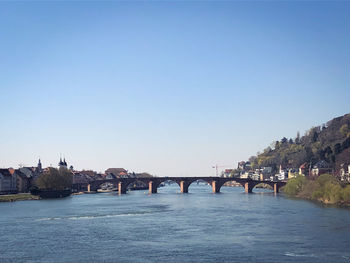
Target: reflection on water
173,227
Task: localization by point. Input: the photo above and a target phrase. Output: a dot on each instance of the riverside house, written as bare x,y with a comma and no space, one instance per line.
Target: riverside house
319,168
23,181
8,181
345,172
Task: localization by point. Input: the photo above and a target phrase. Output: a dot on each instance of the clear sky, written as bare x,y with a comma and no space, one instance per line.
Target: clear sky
171,88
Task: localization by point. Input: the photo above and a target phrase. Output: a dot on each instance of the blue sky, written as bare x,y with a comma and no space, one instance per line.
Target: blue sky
171,88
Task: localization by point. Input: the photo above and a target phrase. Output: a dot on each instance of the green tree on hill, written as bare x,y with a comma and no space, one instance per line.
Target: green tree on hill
345,130
326,142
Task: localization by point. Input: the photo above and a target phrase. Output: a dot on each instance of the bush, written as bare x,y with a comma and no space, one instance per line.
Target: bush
295,185
328,189
324,179
332,193
346,194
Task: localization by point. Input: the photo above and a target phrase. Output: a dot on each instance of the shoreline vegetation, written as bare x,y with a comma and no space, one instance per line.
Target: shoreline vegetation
18,197
325,189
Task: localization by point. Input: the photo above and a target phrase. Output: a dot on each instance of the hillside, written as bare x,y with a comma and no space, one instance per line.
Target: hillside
329,142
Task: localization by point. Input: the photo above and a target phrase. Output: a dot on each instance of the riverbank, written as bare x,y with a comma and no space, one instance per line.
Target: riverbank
18,197
325,189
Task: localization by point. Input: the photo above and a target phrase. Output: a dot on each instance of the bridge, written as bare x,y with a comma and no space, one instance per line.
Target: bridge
184,183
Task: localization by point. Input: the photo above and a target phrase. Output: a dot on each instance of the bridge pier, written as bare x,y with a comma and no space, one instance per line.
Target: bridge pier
184,187
89,188
216,187
248,187
121,188
276,188
152,186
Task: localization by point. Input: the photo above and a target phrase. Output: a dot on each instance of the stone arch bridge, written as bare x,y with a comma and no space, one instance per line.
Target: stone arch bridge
184,183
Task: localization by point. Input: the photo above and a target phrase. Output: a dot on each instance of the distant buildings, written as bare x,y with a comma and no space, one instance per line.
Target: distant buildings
22,179
267,173
262,174
227,172
81,180
244,166
18,180
113,173
321,167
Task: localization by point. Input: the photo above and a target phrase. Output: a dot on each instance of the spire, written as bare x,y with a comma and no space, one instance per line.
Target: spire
60,163
39,164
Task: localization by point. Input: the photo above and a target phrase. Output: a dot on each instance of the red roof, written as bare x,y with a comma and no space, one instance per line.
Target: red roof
303,166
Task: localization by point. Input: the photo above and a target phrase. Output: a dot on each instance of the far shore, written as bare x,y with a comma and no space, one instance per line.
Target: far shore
18,197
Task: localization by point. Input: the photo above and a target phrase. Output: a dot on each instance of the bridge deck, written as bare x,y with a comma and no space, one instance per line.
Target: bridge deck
183,182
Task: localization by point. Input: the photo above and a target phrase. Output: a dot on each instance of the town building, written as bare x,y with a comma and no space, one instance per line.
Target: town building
302,169
27,175
23,181
62,164
81,181
244,165
8,181
117,172
293,172
345,172
321,167
227,172
264,176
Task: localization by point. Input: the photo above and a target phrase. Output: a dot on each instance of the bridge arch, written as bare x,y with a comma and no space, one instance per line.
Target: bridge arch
237,181
206,183
95,185
137,183
165,181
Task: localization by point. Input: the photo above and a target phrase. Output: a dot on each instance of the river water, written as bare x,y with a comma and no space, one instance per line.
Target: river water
172,227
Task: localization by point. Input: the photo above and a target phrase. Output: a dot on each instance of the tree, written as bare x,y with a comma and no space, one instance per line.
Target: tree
267,150
277,144
345,144
337,148
55,179
345,130
295,185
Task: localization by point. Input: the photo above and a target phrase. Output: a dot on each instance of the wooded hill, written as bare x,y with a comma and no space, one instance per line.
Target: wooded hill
329,142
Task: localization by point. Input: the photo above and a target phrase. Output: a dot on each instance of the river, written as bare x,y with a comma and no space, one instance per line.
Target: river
172,227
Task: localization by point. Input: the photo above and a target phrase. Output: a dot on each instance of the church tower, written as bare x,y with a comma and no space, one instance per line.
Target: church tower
39,165
62,164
